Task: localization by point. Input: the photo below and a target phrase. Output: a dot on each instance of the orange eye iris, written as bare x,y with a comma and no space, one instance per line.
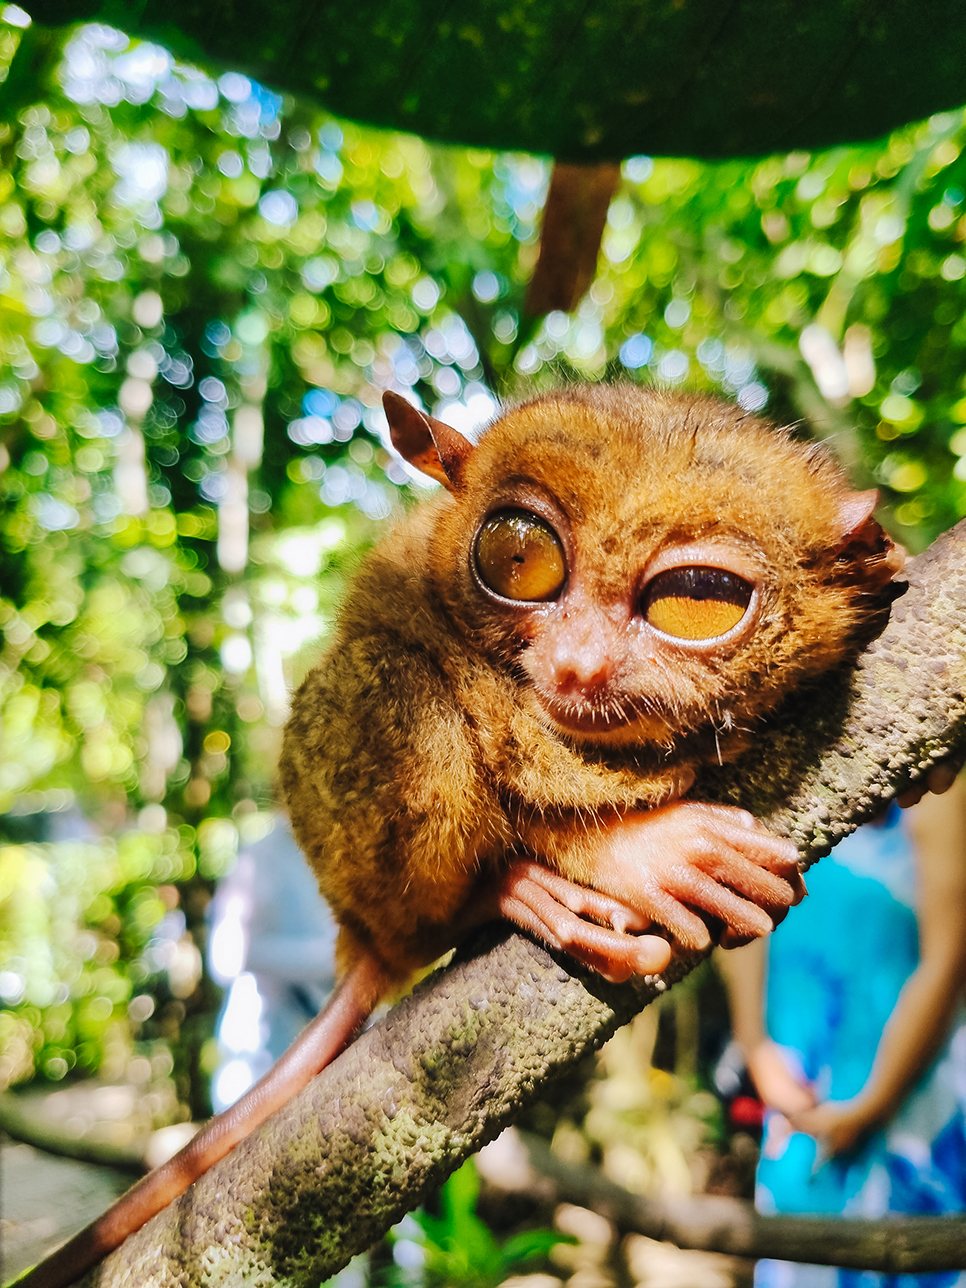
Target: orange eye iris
519,556
696,603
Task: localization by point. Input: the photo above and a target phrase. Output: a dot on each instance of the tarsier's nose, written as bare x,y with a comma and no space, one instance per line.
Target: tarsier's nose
583,653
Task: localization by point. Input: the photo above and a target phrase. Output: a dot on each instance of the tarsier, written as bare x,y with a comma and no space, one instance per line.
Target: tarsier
612,588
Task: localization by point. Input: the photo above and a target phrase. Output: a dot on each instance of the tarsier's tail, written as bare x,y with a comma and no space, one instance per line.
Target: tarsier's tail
315,1047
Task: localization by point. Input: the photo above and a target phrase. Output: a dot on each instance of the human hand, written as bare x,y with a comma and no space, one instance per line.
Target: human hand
774,1081
837,1125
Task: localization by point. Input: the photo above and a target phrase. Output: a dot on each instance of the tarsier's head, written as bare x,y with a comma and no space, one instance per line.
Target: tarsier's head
648,564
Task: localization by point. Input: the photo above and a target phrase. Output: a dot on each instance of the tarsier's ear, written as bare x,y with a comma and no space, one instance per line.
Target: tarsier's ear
427,444
866,554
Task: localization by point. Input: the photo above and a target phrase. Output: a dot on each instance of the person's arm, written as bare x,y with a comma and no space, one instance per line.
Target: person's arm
744,971
921,1016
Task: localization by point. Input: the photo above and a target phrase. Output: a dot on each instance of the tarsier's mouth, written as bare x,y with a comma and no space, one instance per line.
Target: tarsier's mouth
586,720
613,723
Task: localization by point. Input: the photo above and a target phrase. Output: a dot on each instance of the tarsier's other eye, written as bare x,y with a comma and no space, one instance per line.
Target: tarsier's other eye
696,603
519,556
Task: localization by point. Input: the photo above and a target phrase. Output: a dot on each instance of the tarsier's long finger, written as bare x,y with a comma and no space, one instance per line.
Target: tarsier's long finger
667,910
582,900
614,955
774,852
692,886
752,881
742,817
753,862
782,851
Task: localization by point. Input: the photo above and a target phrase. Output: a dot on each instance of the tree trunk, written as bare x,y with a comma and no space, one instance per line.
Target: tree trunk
452,1065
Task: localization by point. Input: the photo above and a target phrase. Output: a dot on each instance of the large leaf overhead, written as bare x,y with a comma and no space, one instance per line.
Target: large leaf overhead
583,80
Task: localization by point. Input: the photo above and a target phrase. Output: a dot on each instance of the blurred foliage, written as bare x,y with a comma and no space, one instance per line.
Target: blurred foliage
456,1247
651,1126
78,922
204,290
644,1111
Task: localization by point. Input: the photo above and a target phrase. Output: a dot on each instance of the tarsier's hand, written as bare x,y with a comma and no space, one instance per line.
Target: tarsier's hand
667,862
601,932
652,868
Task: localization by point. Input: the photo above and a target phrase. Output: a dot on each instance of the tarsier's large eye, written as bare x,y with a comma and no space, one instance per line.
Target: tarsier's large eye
696,603
519,556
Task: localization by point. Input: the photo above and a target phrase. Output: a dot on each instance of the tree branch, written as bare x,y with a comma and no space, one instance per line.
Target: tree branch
449,1067
896,1245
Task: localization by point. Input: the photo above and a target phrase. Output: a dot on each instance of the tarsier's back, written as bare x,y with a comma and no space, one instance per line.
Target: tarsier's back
615,584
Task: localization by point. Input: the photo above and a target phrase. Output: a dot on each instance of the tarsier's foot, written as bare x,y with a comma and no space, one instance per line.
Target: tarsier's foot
599,931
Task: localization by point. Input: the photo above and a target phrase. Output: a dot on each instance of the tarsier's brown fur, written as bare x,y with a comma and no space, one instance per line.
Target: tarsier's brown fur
458,756
417,752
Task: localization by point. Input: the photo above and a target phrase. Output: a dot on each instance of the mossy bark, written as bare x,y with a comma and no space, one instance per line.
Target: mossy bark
452,1065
